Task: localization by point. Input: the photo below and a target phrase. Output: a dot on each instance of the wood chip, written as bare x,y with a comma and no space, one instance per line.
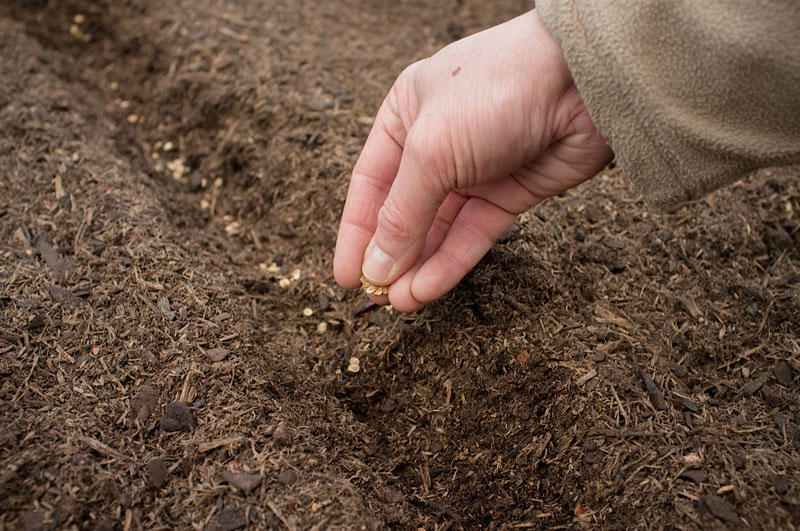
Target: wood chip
721,509
243,481
217,354
586,377
783,373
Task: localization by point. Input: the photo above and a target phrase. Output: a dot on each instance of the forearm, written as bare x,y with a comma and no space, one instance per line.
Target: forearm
690,95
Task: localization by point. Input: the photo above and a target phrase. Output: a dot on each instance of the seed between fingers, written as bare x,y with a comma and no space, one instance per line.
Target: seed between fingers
372,289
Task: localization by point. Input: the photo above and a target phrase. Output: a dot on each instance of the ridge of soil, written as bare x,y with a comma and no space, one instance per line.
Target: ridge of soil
173,176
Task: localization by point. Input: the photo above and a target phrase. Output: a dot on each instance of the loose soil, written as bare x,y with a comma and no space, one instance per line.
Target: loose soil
174,351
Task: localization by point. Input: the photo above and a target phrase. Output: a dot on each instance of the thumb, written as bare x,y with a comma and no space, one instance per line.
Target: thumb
409,210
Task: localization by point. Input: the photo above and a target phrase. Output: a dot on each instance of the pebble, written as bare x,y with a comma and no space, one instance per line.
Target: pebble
323,303
598,356
157,472
783,373
242,481
177,417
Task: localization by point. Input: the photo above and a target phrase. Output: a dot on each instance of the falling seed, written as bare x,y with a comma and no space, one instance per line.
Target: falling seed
133,118
262,266
296,274
113,85
155,155
168,146
204,204
285,283
124,104
322,327
79,19
308,312
218,182
75,31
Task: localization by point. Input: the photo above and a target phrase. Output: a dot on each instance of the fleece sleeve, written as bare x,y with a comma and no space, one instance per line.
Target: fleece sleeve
690,95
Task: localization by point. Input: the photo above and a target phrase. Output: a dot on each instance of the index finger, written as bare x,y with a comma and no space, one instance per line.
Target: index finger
372,179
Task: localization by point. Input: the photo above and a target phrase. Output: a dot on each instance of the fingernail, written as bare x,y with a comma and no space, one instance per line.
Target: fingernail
377,265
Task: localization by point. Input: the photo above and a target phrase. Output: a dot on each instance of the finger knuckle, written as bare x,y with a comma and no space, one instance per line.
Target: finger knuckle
393,225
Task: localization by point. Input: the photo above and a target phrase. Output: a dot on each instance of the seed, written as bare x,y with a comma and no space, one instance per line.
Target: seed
322,327
372,289
285,283
308,312
79,19
132,118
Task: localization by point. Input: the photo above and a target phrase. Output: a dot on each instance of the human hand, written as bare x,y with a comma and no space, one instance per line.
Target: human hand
464,142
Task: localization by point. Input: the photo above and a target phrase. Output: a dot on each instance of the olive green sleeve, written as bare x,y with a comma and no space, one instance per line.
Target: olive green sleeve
690,95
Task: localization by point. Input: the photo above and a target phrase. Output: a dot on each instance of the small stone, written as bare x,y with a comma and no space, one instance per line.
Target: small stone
217,354
783,373
242,481
599,356
177,417
721,509
323,303
143,404
282,436
157,472
781,484
698,476
392,496
769,396
287,477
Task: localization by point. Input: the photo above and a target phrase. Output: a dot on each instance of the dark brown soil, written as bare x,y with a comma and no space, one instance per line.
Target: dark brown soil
168,168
